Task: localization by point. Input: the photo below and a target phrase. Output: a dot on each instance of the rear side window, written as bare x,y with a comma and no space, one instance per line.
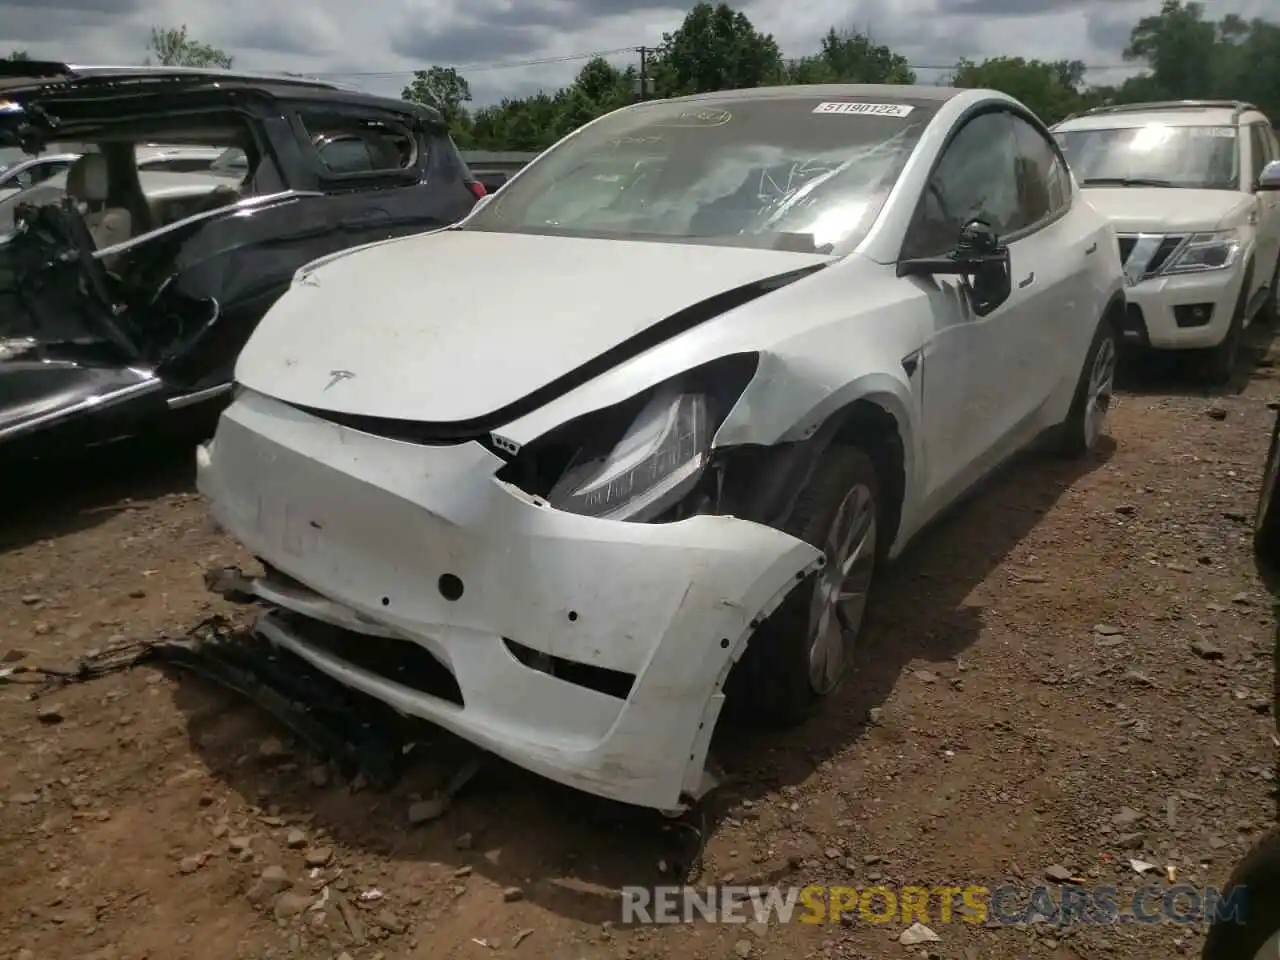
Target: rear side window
346,145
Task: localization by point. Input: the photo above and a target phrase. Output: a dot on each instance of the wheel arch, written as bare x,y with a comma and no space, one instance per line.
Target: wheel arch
764,481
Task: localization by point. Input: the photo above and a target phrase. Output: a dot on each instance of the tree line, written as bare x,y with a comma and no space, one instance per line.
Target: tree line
1178,52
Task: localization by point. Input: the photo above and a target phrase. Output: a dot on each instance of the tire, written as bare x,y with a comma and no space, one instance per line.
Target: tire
771,684
1266,522
1219,363
1242,938
1087,420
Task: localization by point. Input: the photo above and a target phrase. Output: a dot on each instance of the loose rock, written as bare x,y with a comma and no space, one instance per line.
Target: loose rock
271,881
917,933
424,811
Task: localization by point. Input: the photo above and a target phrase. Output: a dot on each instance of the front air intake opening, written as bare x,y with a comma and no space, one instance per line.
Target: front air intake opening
612,683
399,661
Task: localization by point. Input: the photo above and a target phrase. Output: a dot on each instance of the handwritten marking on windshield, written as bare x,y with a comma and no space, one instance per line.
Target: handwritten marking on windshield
696,118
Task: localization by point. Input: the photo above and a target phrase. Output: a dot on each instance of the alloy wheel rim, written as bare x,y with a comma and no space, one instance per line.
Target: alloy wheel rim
840,588
1101,386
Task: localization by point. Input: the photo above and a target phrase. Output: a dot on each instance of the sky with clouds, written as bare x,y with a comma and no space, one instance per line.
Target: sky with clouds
376,44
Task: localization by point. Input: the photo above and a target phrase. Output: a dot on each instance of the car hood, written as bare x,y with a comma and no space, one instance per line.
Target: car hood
452,326
1168,209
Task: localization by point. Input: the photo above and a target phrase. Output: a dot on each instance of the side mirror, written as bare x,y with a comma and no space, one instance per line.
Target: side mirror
979,258
1269,179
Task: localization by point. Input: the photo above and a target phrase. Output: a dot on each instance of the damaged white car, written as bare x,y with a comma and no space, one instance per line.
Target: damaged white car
633,437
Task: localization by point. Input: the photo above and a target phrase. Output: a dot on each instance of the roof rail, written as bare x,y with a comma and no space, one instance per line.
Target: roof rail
1236,106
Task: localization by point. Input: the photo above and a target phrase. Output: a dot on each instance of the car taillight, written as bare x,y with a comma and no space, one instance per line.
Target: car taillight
477,188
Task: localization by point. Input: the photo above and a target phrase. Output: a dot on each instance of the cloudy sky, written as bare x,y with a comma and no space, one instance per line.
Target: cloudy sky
376,44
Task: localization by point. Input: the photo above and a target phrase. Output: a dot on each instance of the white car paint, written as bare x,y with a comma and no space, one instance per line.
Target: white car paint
1146,215
420,329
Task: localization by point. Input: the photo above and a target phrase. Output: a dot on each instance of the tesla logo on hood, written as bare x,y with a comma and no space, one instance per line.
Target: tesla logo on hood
337,376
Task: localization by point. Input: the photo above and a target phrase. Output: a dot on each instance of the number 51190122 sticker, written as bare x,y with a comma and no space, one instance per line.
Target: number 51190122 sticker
865,109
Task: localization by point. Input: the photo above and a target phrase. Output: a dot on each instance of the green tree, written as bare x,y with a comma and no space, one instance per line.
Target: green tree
18,55
448,91
1179,47
850,57
1051,90
716,48
1188,57
172,47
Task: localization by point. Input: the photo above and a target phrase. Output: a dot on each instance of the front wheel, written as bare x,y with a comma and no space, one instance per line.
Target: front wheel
1217,364
799,655
1086,422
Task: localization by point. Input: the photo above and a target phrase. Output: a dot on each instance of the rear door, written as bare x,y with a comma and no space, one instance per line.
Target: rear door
1051,247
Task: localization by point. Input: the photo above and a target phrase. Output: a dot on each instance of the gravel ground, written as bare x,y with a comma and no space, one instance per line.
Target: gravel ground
1072,671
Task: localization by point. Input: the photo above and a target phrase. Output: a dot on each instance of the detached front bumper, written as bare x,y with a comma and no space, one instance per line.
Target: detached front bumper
1183,311
400,543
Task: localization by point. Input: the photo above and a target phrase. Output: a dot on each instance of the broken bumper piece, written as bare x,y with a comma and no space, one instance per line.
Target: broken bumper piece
592,652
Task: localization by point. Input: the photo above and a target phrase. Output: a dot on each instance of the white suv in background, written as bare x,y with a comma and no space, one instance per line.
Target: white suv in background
1197,219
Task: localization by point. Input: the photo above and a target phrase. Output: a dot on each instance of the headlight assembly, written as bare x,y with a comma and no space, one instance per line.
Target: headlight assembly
636,460
658,459
1206,251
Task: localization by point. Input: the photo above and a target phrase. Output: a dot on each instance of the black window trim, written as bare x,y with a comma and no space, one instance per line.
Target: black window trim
971,114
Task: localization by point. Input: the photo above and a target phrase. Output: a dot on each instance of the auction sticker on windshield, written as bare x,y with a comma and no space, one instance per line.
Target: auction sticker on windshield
873,109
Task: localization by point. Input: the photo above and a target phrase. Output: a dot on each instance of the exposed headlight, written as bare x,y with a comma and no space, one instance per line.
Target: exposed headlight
658,459
1206,251
636,460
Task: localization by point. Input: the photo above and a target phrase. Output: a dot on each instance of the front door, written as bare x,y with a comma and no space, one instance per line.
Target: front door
966,408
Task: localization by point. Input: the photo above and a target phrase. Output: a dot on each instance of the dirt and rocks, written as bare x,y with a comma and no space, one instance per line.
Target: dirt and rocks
1068,681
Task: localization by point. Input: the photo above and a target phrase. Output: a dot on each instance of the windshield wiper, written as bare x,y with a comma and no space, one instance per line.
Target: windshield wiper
1126,181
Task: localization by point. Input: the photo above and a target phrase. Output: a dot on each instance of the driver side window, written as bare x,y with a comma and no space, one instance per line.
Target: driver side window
975,180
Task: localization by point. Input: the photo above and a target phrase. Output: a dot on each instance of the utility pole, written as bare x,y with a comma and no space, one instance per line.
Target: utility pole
642,87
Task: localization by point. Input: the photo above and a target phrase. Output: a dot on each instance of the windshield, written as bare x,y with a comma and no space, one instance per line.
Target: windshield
781,173
1155,155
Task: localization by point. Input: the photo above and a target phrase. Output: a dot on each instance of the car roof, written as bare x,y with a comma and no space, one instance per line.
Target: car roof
891,92
44,79
1173,113
1168,118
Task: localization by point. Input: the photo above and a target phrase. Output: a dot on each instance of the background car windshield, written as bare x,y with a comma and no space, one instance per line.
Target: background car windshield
770,173
1201,156
50,191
